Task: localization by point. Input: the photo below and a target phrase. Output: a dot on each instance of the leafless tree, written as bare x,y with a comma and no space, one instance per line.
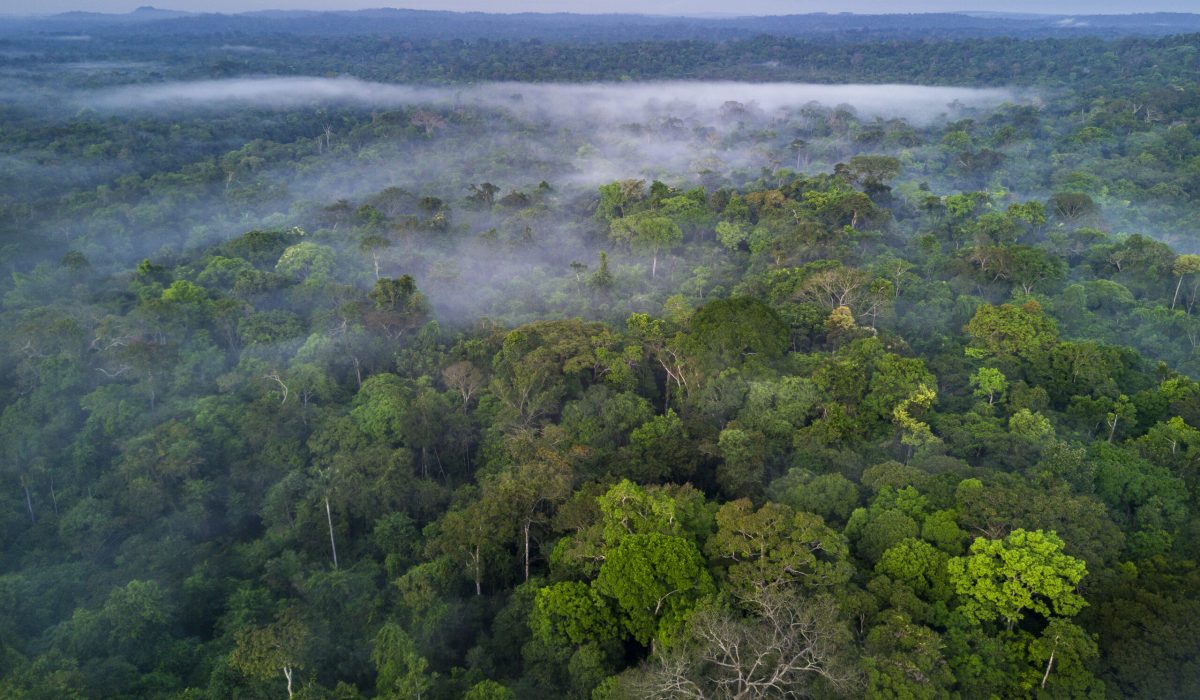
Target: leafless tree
465,378
839,286
787,647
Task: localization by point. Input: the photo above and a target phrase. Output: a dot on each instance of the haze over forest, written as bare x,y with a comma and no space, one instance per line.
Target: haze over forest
654,7
412,354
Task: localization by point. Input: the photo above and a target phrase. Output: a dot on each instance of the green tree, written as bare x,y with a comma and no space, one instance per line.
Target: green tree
775,547
489,690
1184,265
396,306
914,432
655,581
733,331
1026,571
904,661
647,233
306,262
260,652
402,673
1011,331
572,612
989,383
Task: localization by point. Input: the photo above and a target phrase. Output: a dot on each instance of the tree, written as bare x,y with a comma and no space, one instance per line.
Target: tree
1184,265
1011,331
775,547
918,565
1026,571
1141,495
489,690
661,449
728,332
472,537
655,581
371,244
262,652
989,383
742,457
786,646
465,378
572,612
306,262
1071,206
529,493
832,496
484,194
837,286
602,278
872,172
647,233
1060,661
133,620
732,234
629,509
397,306
904,661
402,672
1123,411
1028,267
618,198
540,362
915,433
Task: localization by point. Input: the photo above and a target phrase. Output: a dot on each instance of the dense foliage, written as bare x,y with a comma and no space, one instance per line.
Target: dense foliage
299,401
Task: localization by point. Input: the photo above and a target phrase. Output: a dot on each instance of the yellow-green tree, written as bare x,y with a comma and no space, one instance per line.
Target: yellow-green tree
1024,572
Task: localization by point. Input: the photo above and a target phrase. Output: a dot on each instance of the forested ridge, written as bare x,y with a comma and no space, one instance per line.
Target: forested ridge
444,400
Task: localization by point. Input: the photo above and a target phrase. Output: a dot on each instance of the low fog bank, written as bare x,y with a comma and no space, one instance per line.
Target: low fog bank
440,142
612,102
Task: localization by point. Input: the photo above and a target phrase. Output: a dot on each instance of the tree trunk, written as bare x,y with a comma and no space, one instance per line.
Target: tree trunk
28,500
1176,297
332,543
654,264
287,673
526,530
1050,663
478,584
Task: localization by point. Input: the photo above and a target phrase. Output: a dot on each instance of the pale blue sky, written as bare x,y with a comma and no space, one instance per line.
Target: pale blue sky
672,7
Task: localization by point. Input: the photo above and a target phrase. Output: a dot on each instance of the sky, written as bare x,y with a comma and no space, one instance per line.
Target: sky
666,7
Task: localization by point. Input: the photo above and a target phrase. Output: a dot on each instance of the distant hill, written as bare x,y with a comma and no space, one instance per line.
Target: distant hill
420,24
86,20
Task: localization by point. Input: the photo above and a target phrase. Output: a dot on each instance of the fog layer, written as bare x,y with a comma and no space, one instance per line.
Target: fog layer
603,101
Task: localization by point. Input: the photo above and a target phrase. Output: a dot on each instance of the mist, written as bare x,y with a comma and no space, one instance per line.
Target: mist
574,137
589,102
276,342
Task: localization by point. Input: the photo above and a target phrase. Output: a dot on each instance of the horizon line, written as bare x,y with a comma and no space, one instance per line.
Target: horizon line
983,14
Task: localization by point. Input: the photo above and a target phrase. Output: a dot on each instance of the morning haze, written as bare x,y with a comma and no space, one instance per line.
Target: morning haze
387,354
